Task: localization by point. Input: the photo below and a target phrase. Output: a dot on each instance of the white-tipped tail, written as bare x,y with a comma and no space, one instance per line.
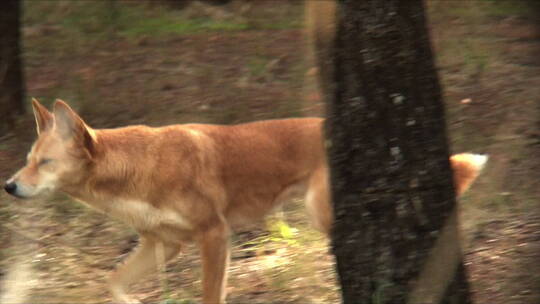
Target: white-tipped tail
479,160
466,167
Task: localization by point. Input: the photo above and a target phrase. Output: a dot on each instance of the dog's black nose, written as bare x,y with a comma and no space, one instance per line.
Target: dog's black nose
10,187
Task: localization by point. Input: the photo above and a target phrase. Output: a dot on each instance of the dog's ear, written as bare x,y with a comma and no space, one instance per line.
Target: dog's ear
71,126
68,123
44,118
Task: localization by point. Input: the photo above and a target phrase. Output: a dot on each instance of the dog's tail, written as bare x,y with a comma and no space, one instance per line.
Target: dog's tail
466,167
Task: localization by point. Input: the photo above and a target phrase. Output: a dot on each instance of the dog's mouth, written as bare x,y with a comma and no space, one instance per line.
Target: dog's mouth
20,197
17,195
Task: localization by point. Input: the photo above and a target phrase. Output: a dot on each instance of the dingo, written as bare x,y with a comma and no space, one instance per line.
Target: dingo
183,183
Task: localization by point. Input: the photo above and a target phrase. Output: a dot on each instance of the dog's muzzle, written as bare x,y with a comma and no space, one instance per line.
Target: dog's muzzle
11,188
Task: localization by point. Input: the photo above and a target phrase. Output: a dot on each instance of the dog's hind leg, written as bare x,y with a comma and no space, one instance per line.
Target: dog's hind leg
146,258
318,201
214,247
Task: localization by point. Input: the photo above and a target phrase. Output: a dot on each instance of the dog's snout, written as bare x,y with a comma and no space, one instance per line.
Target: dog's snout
10,187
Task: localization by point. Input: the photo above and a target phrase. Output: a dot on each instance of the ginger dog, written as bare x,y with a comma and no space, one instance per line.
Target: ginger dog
185,183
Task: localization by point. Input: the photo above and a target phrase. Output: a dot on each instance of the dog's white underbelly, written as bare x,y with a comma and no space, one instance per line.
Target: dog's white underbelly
143,216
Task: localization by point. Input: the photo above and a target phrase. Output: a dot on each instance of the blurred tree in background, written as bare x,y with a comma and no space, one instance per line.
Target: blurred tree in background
11,77
391,179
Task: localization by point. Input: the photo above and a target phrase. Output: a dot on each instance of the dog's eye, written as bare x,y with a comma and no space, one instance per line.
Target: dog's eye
44,161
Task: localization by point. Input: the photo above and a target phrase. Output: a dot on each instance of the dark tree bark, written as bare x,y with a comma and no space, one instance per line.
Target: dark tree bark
395,237
11,77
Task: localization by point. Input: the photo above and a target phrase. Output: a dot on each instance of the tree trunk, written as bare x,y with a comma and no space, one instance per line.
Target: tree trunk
11,78
395,237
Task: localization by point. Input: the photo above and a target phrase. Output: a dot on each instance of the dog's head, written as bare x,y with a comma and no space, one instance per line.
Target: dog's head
59,157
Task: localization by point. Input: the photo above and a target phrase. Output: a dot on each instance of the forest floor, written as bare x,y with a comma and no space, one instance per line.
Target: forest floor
124,63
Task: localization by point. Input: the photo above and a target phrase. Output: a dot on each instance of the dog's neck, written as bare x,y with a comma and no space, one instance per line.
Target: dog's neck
107,175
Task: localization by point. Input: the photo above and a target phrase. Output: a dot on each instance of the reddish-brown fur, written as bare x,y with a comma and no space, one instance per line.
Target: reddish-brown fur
184,183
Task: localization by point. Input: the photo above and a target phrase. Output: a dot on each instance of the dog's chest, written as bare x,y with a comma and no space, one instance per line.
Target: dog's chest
143,216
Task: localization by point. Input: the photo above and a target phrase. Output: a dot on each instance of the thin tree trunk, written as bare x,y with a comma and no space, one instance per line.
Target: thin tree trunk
391,178
11,77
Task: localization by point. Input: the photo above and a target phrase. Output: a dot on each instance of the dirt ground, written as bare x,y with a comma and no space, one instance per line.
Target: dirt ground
244,62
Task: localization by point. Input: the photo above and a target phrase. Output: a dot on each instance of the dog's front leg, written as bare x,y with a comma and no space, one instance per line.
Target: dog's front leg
145,259
214,247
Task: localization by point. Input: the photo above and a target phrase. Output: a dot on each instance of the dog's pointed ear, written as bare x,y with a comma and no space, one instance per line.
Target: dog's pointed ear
44,118
70,125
